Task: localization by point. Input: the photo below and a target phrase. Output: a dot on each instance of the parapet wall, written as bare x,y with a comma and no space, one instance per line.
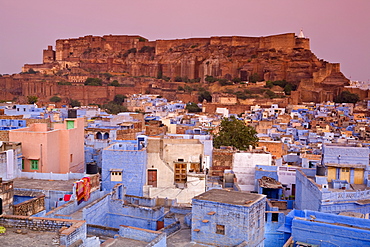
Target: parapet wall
70,231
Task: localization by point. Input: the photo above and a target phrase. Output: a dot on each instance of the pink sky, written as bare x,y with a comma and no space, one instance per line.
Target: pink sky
339,30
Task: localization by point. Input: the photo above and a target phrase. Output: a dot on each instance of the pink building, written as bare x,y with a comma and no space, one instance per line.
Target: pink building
57,150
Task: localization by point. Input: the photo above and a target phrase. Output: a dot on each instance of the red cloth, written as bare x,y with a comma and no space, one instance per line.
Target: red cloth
67,197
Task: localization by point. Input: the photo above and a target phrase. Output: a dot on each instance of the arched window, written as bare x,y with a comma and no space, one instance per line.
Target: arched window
106,136
98,136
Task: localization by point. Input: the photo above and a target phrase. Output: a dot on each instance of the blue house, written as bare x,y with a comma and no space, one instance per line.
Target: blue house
117,208
124,162
310,228
228,218
28,111
314,193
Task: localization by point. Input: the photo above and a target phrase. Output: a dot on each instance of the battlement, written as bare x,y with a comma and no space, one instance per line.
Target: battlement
75,47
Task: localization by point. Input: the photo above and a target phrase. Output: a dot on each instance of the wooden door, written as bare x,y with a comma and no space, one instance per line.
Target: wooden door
180,172
344,174
332,173
359,176
152,178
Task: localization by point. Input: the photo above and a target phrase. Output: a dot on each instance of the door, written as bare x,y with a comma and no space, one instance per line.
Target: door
359,176
332,173
180,172
344,174
152,178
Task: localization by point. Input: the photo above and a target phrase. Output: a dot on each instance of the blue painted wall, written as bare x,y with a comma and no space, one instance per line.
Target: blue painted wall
126,157
114,212
330,230
310,196
241,223
273,237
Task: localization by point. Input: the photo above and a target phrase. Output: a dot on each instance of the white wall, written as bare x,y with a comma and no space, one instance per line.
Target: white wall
244,165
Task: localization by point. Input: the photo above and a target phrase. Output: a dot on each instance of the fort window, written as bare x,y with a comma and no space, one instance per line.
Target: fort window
220,229
34,164
71,158
22,164
106,136
116,176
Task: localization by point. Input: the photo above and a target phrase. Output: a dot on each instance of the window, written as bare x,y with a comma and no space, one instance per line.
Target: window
220,229
22,164
116,176
275,217
99,136
70,124
34,164
71,158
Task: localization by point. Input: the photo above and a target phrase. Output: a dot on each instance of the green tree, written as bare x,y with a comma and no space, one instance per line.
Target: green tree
270,94
210,79
119,99
178,79
93,82
235,133
254,78
204,95
288,89
74,103
269,84
113,108
347,97
236,80
192,107
31,99
114,83
55,99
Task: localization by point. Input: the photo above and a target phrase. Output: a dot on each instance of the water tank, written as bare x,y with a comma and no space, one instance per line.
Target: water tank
91,168
72,113
320,170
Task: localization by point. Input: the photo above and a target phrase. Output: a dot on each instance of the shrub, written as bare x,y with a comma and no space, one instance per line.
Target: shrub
64,83
93,82
192,107
74,103
119,99
347,97
236,80
114,83
210,79
204,95
254,78
55,99
31,99
147,49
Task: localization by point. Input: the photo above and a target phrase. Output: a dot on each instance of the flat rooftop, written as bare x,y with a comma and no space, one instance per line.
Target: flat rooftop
41,184
127,242
230,197
25,238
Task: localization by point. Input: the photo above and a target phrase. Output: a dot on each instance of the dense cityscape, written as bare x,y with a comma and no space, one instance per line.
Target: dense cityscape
218,124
